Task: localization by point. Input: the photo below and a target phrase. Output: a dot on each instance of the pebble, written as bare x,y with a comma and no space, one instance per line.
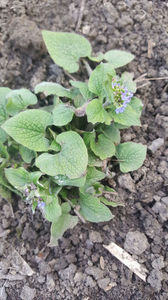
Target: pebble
161,209
95,272
158,263
27,293
103,283
50,282
156,144
68,273
125,181
95,237
90,282
155,278
135,242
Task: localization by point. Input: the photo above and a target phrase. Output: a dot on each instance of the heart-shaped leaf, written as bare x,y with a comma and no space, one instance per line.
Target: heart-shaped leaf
71,161
66,48
118,58
18,100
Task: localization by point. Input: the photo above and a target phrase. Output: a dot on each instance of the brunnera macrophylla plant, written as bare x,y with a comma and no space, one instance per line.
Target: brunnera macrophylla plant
59,157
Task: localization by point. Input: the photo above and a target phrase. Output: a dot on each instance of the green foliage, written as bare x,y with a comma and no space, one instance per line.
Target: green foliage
76,136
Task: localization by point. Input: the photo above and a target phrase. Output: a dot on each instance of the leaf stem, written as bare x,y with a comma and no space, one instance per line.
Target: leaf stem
87,66
76,210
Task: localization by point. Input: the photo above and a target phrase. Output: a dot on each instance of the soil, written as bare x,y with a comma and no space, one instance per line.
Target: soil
80,268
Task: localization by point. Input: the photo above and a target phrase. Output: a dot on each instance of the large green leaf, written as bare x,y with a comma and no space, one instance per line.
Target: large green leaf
118,58
93,210
71,161
62,114
66,48
19,177
96,113
93,176
103,148
52,210
129,117
131,156
112,132
28,128
65,181
52,88
18,100
64,222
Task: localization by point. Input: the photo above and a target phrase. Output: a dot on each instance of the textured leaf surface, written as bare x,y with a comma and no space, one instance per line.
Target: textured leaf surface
129,117
51,88
83,87
18,100
96,81
136,105
66,48
64,222
62,114
18,177
127,80
52,209
65,181
4,91
3,151
131,156
26,154
112,133
96,113
70,161
93,210
93,175
118,58
28,128
103,148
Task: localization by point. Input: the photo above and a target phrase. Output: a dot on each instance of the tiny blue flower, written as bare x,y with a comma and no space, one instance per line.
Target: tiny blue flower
41,204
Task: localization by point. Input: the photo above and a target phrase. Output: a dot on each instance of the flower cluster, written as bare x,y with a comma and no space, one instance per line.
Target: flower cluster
121,97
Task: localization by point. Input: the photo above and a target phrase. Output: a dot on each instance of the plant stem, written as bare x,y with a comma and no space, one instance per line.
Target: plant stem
76,211
87,66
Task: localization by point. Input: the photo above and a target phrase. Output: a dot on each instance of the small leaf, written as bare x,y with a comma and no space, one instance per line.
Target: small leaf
137,105
96,81
65,181
5,193
93,210
70,161
28,128
110,203
18,100
4,91
52,210
118,58
93,176
127,81
3,135
96,113
3,151
83,87
26,154
17,177
62,114
64,222
98,58
131,156
103,148
66,48
112,133
51,88
129,117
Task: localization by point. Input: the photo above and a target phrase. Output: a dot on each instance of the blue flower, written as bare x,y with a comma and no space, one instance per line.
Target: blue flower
41,205
122,96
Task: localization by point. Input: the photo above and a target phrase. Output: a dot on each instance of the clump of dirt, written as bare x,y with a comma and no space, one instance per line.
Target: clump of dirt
80,268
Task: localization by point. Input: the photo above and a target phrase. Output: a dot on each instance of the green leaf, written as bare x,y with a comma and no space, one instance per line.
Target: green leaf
131,156
103,148
66,48
18,100
93,175
28,128
65,181
71,161
93,210
3,151
51,88
110,203
17,177
5,193
26,154
118,58
137,105
62,114
3,135
52,210
112,133
98,58
129,117
5,183
4,91
96,113
64,222
96,81
127,80
83,88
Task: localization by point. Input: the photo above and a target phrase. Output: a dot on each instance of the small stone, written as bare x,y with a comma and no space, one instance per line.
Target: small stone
103,283
3,294
165,200
86,29
68,273
90,282
136,242
95,237
78,277
41,279
161,209
44,268
102,263
27,293
155,278
158,263
125,181
50,282
7,211
95,272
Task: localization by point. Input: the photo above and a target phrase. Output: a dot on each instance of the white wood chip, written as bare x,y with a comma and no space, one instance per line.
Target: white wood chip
127,260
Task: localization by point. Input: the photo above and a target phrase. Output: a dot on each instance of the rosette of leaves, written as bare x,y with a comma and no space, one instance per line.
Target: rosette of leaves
59,157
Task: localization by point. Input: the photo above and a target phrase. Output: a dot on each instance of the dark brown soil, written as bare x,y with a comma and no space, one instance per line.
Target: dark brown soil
73,270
